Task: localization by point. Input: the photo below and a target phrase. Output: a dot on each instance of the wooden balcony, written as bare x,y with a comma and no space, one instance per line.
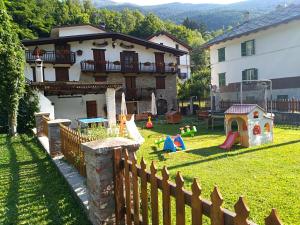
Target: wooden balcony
108,67
53,57
136,94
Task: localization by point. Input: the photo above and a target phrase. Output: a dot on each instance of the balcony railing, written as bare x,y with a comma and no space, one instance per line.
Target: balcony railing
54,57
136,94
116,66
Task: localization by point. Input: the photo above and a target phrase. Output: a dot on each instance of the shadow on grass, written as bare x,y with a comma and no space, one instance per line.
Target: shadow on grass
12,198
214,150
159,153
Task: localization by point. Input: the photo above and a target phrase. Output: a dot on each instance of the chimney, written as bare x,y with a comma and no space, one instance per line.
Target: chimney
246,16
39,70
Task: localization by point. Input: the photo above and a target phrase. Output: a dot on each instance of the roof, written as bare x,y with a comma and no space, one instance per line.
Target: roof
242,109
79,25
113,35
171,37
272,19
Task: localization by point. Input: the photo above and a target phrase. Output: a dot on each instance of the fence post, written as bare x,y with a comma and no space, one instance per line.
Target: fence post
99,160
54,135
39,122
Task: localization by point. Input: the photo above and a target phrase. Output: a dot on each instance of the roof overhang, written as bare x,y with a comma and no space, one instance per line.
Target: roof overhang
74,87
114,36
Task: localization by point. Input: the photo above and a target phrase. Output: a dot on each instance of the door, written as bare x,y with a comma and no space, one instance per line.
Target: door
91,109
62,74
99,59
162,106
62,53
129,62
131,107
159,62
130,83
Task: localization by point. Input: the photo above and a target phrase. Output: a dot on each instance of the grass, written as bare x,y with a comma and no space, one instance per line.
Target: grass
31,189
268,176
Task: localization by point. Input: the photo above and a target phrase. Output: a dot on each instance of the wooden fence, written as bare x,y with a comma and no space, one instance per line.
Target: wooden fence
45,119
70,147
289,105
132,204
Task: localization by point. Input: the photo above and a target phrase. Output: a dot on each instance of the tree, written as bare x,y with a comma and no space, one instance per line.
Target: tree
150,25
12,77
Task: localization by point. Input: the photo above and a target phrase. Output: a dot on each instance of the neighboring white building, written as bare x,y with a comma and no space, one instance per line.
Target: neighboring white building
184,62
81,62
267,47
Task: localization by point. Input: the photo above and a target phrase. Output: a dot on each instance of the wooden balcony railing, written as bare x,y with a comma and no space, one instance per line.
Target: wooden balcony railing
54,57
116,66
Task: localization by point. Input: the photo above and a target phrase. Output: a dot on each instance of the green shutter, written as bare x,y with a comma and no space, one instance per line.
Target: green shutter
255,74
244,75
243,49
253,47
221,54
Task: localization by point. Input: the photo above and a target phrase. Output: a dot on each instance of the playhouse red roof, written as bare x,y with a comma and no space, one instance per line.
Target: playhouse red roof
242,108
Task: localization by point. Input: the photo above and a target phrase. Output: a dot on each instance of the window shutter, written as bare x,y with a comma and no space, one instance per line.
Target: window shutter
255,74
244,75
243,49
136,62
122,61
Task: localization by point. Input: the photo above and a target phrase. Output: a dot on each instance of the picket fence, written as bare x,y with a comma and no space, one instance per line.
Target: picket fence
132,200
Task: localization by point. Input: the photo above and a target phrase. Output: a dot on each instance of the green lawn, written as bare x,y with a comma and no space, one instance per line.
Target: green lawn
31,189
268,176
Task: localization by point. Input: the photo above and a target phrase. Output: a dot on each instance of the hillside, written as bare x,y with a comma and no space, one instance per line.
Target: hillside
214,16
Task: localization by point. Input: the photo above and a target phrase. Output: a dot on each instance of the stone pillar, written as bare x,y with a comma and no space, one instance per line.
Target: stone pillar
39,122
100,179
54,135
111,106
39,70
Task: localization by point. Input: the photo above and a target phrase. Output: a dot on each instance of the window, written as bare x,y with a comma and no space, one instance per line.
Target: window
250,74
221,54
222,79
282,97
248,48
177,46
160,82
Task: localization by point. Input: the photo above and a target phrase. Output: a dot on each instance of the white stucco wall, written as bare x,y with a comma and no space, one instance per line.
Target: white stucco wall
185,65
45,105
276,55
78,30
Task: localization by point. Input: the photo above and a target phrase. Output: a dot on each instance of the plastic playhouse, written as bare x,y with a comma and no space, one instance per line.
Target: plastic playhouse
247,124
188,132
175,144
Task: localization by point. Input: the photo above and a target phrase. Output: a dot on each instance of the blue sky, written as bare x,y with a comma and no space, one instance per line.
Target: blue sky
156,2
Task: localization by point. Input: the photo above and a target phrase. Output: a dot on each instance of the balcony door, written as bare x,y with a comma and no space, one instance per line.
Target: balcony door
129,62
99,58
62,53
130,83
62,73
160,62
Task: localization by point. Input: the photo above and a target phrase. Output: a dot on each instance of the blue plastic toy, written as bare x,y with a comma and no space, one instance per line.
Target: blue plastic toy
173,145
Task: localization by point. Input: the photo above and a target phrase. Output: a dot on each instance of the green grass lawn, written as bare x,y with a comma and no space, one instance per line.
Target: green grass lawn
31,189
268,175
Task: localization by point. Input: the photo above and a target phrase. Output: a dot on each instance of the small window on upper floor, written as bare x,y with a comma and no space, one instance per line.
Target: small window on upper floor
221,54
160,82
177,46
250,74
248,48
222,79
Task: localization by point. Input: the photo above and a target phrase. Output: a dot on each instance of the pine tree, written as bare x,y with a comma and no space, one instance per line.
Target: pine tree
11,70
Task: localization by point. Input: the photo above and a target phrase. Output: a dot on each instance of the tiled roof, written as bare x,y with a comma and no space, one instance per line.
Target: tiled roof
242,109
274,18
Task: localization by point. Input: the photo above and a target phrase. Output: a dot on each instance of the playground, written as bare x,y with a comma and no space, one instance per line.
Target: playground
267,174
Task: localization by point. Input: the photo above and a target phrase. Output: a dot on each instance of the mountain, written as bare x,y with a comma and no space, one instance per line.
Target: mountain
214,16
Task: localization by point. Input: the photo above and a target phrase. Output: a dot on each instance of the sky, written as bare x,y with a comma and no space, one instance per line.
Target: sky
156,2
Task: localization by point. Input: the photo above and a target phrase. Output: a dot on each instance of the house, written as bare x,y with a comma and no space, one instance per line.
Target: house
81,64
264,48
184,61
